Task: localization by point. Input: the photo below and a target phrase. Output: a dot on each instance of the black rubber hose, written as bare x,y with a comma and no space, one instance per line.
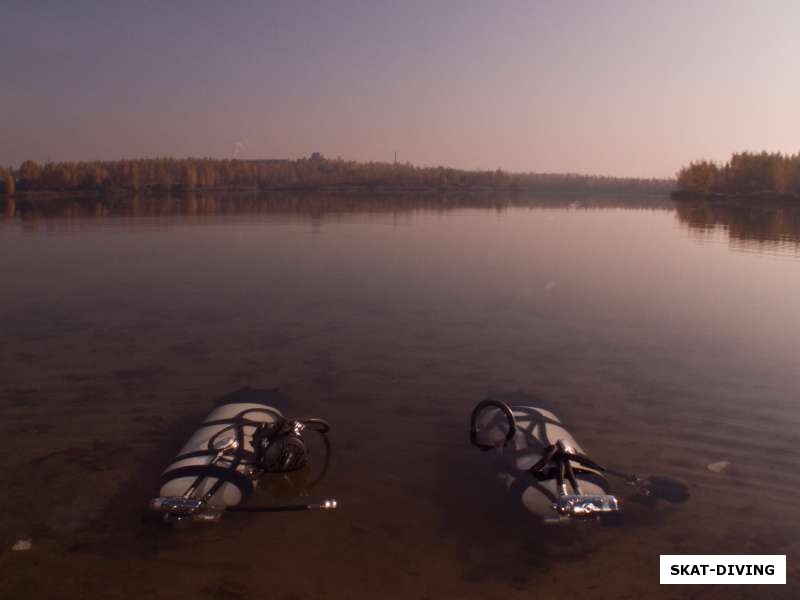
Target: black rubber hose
560,470
265,509
473,424
547,456
325,465
571,475
319,425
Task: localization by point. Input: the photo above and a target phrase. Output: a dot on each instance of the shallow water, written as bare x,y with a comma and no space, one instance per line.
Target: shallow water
665,336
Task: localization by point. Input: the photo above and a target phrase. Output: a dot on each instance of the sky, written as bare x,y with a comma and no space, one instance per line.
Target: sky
615,88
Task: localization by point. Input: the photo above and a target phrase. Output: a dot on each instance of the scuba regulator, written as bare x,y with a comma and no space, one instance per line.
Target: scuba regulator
280,447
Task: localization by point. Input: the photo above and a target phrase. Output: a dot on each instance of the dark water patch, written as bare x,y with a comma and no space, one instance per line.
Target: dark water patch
20,396
123,528
522,398
245,375
226,589
191,349
62,492
97,457
324,373
153,421
94,398
271,396
277,340
142,375
35,428
384,375
198,314
78,377
429,334
431,412
42,323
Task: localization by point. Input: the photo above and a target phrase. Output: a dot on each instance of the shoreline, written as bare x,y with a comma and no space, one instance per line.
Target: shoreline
345,190
753,198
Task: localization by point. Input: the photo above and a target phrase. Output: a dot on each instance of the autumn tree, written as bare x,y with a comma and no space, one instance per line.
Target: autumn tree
700,176
135,176
744,173
189,177
208,178
29,172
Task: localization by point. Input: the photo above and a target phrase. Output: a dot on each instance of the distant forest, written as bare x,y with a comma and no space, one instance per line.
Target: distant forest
161,175
750,174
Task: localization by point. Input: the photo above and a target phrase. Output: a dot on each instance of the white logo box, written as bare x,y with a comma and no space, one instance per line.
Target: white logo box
723,569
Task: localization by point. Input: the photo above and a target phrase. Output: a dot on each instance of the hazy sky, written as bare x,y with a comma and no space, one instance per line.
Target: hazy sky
621,88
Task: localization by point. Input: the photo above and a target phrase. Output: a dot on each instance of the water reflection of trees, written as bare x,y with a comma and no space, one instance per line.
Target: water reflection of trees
314,205
748,225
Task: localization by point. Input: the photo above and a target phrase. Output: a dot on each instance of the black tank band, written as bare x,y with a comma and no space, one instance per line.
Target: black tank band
210,471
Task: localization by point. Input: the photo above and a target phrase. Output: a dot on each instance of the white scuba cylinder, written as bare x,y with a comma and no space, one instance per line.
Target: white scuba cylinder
217,467
197,457
533,444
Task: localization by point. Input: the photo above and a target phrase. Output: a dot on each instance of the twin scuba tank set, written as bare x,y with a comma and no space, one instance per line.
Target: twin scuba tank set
244,438
549,471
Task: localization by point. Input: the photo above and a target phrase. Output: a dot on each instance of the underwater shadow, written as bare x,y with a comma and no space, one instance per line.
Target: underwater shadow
126,529
496,537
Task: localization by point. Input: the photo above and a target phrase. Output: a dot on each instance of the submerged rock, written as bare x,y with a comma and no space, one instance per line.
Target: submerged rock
718,467
22,545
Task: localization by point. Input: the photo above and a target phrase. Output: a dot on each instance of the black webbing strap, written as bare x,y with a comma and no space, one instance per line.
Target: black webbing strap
240,419
244,454
222,474
559,459
555,455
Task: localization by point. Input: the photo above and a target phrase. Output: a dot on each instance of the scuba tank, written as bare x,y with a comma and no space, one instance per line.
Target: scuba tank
241,439
544,463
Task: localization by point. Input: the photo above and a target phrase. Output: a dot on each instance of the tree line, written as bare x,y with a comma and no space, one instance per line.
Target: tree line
745,173
170,174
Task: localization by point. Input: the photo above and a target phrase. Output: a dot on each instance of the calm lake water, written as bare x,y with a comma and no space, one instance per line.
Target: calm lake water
665,336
